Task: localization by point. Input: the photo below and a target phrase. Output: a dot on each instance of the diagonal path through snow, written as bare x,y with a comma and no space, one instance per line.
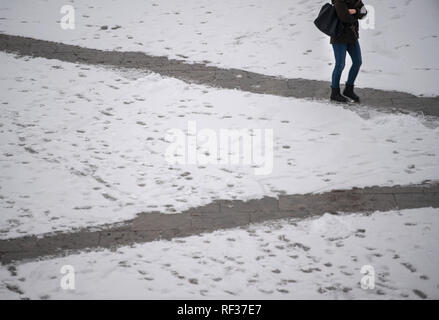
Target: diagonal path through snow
200,73
220,214
271,37
318,258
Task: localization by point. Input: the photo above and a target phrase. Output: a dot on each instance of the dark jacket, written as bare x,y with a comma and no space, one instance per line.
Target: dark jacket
351,26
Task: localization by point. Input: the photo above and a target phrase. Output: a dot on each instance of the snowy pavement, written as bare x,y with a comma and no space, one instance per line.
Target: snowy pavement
207,75
83,145
319,258
220,214
265,36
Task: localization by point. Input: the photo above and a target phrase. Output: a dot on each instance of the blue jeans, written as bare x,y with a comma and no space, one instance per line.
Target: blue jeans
340,50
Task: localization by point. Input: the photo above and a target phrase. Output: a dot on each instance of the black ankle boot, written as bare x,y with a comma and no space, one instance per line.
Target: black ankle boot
349,92
336,96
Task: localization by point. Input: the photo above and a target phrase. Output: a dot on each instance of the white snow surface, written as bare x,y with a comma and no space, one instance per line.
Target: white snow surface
317,258
273,37
83,146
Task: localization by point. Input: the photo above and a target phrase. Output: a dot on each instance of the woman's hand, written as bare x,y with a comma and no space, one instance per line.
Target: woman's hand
352,11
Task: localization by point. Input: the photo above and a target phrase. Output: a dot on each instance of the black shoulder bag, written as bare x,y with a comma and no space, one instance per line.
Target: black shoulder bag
328,22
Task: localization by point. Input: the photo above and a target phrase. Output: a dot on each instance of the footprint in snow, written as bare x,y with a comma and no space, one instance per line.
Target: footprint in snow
420,294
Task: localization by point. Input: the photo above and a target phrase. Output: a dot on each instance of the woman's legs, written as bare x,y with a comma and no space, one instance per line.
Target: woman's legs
354,51
340,60
340,50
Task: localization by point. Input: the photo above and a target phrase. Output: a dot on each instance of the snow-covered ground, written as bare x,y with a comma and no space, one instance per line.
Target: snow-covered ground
274,37
82,145
318,258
